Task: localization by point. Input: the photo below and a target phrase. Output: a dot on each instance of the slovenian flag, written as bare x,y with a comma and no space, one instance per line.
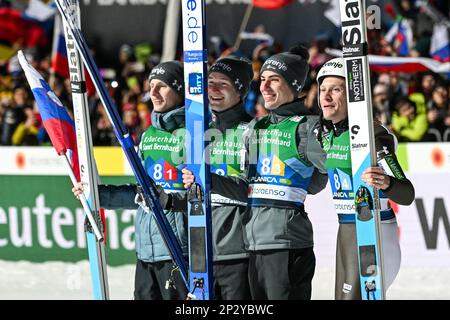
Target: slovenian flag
56,120
59,64
400,36
440,43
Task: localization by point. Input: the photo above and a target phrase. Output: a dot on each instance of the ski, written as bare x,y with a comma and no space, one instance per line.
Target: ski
362,147
88,168
197,160
149,192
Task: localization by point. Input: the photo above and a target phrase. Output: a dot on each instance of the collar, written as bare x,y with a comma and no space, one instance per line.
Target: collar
170,120
340,127
294,108
231,117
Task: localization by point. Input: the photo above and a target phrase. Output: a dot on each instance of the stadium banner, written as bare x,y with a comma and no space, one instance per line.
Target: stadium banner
107,29
40,220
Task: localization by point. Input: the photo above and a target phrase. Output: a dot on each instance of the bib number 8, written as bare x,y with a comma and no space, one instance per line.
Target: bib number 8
157,172
265,168
337,183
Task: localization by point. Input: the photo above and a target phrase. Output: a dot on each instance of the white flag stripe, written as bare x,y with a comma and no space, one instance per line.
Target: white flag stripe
32,75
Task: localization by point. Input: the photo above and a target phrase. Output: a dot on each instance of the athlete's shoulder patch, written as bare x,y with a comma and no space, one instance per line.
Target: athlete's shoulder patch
243,125
296,118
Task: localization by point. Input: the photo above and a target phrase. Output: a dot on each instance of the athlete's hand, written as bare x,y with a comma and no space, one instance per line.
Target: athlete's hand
188,178
78,190
375,177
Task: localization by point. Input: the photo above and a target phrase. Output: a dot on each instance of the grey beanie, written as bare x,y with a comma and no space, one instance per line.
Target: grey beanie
239,70
171,73
292,66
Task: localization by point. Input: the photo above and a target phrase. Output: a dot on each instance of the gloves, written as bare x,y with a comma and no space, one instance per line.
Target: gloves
165,199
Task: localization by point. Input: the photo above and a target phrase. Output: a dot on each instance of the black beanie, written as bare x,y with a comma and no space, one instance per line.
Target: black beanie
171,73
239,70
292,66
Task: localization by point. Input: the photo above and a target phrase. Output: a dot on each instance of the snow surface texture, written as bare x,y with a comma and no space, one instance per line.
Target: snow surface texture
71,281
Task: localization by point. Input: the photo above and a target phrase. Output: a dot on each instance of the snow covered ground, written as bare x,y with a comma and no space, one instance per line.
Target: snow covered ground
57,280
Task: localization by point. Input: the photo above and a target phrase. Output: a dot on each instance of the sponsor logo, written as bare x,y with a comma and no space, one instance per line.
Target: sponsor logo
73,60
359,145
437,157
158,71
345,207
355,80
274,64
354,130
266,179
340,194
351,16
176,85
223,66
164,185
238,84
193,26
380,153
20,160
346,288
195,81
351,50
297,85
334,64
274,192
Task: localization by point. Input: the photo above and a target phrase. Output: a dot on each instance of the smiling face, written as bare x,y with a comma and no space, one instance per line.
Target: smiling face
333,100
222,94
275,90
163,97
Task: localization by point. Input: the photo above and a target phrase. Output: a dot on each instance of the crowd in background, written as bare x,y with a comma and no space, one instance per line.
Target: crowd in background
415,106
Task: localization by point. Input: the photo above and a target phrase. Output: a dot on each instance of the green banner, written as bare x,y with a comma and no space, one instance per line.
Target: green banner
40,220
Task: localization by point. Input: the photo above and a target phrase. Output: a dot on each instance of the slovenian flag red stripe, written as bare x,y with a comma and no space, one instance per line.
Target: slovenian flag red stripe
408,67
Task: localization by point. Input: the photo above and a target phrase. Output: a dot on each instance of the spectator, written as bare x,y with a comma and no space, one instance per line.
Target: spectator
26,133
427,83
103,132
406,123
380,103
317,53
396,90
13,115
438,113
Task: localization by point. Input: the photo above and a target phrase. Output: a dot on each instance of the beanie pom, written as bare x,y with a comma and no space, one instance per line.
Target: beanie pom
300,51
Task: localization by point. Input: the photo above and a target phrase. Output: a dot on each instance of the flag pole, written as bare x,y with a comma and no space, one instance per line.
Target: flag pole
56,27
82,198
244,23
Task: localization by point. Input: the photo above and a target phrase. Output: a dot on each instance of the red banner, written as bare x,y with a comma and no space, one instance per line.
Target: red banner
271,4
